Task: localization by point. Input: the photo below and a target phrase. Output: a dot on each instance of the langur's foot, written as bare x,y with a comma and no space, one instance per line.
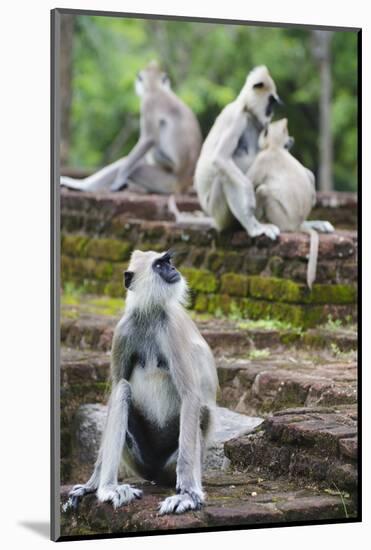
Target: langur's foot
118,495
178,504
76,493
119,185
321,225
267,229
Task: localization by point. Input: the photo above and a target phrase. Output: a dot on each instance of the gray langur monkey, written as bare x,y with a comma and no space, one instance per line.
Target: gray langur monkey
164,386
164,158
285,189
224,190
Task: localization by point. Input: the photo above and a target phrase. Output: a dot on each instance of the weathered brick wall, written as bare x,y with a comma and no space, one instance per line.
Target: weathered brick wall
228,273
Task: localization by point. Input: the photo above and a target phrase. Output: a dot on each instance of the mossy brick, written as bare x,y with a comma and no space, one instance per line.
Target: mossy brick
118,270
283,290
192,236
275,266
333,294
200,279
74,245
234,284
274,289
297,315
156,247
108,249
114,289
80,269
72,221
200,302
219,302
233,262
222,261
215,260
91,286
195,257
153,231
254,263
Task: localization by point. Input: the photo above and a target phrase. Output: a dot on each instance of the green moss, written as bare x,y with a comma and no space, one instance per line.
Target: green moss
219,303
234,284
297,315
157,247
254,264
114,289
200,279
271,288
74,245
333,294
108,249
215,260
276,265
201,303
265,324
118,272
106,305
284,290
256,354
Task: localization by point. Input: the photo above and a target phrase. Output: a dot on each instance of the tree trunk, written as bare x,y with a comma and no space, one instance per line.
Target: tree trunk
67,28
322,53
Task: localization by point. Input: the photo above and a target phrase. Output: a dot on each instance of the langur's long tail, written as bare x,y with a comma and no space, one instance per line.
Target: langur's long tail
99,181
186,217
313,254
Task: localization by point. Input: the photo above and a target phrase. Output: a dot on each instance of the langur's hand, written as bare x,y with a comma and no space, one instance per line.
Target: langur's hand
267,229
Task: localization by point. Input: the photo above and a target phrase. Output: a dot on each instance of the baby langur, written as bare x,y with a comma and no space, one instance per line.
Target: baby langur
224,190
163,395
164,159
285,190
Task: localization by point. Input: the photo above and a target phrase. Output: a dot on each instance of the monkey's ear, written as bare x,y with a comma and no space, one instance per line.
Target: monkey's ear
128,277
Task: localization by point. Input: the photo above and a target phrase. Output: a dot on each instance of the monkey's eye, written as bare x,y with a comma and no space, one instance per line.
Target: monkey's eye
259,85
139,76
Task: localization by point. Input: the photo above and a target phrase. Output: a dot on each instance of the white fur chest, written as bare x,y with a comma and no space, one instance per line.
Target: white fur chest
154,393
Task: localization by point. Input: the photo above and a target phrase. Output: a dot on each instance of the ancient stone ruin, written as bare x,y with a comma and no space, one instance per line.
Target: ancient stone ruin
286,444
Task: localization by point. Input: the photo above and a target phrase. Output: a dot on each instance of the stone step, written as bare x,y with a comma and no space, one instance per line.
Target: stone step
232,500
87,245
338,207
318,444
255,386
84,330
88,423
251,386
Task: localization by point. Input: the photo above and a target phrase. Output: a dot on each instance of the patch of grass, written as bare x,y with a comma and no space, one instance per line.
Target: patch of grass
267,324
218,313
70,290
337,352
333,324
235,314
259,353
341,494
76,302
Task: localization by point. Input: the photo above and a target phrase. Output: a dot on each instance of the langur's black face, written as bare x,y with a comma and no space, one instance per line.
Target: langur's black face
289,143
273,100
163,267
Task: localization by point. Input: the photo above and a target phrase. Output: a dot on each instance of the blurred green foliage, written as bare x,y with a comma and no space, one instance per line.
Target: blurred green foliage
207,64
